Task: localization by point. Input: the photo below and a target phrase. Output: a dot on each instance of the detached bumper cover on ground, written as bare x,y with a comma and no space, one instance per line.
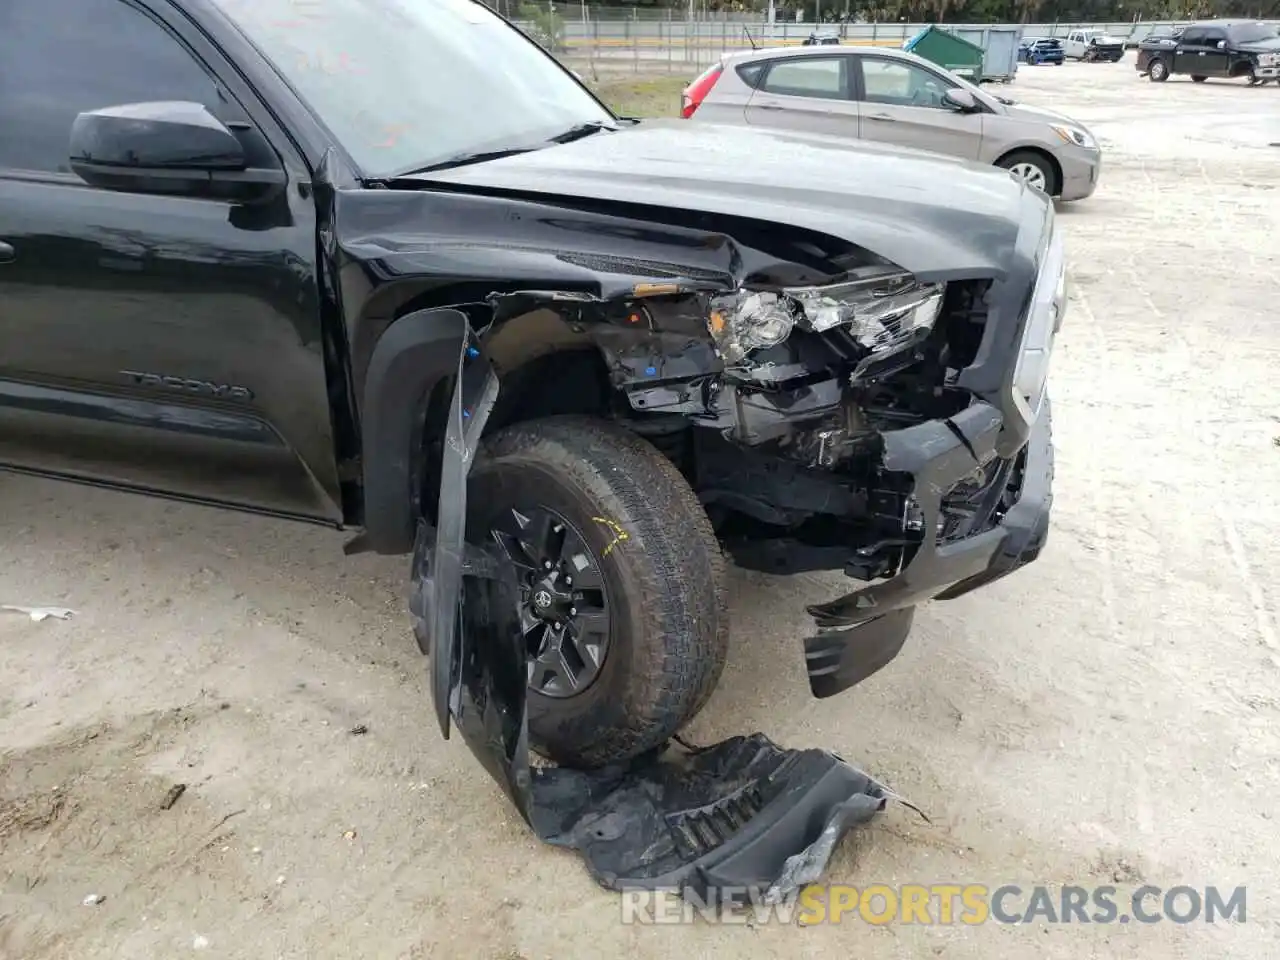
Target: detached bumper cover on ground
741,815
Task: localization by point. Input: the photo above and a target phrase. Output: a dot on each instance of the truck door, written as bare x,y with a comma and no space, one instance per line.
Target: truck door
1190,54
152,341
1215,59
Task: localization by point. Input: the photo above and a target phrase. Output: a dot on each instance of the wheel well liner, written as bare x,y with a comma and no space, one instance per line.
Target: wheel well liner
415,354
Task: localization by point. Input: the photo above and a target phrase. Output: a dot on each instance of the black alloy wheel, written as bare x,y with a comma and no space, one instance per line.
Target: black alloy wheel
564,601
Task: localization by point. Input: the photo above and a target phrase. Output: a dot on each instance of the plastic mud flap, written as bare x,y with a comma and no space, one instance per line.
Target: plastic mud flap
862,631
740,818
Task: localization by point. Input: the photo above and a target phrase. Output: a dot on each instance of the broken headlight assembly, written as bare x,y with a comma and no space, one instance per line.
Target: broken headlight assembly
883,313
749,320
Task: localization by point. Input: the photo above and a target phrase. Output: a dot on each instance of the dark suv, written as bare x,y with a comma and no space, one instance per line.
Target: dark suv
392,269
1229,49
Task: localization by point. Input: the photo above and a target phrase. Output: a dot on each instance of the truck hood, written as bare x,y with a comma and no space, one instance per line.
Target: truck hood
1261,46
936,216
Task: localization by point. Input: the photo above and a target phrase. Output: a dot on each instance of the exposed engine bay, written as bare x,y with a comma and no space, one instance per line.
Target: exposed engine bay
773,402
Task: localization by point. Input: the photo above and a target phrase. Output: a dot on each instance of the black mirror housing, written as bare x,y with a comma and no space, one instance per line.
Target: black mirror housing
167,135
166,147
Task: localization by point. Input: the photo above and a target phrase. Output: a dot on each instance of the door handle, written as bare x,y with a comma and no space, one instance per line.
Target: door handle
7,253
880,116
768,106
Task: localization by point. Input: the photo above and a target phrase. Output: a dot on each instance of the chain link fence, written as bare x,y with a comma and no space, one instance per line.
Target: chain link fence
658,40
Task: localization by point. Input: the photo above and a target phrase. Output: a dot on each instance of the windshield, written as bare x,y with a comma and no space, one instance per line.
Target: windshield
1252,32
404,84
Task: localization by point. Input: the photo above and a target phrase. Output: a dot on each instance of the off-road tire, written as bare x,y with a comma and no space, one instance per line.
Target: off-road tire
663,568
1158,71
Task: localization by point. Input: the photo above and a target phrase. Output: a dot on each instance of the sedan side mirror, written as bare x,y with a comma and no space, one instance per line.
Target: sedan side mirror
958,98
168,147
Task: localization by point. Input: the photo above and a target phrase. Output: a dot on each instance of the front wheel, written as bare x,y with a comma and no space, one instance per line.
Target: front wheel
1158,71
1033,169
623,585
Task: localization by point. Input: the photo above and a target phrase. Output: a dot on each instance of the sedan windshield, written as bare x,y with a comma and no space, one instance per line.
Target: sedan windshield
405,84
1252,32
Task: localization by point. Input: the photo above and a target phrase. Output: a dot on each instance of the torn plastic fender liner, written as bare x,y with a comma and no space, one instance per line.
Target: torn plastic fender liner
741,817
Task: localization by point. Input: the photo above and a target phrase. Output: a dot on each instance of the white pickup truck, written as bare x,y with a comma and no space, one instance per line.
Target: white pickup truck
1092,45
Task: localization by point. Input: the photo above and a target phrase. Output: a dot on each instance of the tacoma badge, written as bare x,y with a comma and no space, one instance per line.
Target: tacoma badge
206,388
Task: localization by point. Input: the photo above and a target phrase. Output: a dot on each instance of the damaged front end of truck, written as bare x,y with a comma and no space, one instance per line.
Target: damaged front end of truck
848,377
889,424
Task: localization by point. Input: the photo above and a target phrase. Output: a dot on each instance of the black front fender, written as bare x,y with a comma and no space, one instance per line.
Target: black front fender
415,354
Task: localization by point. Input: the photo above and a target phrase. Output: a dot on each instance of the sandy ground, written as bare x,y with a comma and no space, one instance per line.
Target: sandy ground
1107,716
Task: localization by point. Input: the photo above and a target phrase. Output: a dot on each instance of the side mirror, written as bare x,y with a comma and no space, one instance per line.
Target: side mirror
958,98
168,147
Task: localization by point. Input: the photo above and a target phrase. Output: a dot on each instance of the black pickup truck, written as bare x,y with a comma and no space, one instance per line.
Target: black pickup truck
272,255
1228,49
